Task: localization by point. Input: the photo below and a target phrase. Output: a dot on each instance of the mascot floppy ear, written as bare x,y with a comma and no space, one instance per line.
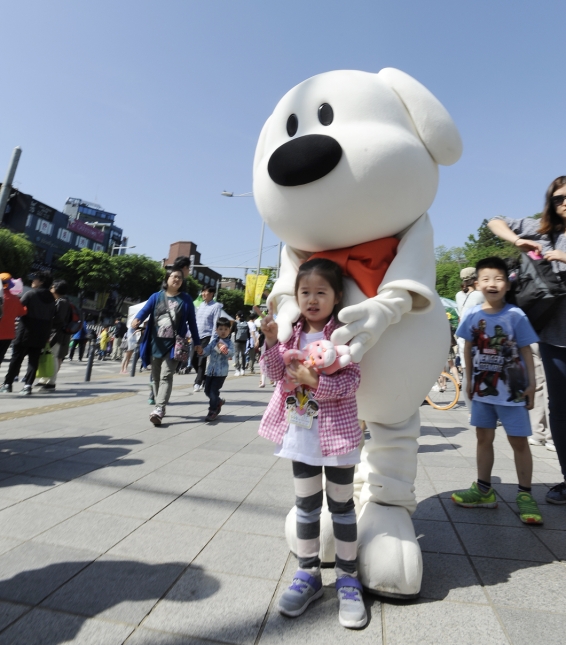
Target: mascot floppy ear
431,119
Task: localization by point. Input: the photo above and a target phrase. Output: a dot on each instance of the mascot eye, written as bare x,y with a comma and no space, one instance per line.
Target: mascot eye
292,125
325,114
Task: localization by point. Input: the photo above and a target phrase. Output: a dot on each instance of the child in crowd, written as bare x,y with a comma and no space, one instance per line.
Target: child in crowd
103,342
241,338
220,349
317,428
500,380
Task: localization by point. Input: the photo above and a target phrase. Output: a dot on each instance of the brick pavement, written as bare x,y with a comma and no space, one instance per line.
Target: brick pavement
112,531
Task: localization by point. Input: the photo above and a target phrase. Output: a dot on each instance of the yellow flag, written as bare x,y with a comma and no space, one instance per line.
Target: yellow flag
259,288
249,297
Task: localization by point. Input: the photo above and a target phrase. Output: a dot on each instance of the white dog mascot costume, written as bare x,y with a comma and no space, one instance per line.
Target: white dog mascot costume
346,158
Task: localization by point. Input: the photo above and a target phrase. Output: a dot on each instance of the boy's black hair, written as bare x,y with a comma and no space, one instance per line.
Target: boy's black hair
44,277
223,322
181,262
240,314
61,287
208,289
493,262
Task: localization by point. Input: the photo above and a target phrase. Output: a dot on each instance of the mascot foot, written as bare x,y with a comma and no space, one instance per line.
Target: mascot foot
390,560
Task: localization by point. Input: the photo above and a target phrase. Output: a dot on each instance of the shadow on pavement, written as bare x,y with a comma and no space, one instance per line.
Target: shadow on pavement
126,590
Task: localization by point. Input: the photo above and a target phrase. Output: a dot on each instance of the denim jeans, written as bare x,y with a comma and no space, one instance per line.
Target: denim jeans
212,387
554,361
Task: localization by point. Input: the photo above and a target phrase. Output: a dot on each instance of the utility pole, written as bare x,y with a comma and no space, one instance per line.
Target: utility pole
7,185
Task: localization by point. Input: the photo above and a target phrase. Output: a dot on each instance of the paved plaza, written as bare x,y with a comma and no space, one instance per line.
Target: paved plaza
113,531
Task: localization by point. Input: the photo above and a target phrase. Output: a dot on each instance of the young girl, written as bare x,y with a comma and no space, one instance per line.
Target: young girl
316,428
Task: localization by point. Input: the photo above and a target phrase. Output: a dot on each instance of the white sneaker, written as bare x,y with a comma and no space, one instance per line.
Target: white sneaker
550,446
351,609
536,442
197,388
156,416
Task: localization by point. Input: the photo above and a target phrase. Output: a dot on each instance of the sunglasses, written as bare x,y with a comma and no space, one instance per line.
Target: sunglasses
558,200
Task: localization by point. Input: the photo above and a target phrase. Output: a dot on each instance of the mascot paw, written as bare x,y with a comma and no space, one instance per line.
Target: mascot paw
390,560
326,535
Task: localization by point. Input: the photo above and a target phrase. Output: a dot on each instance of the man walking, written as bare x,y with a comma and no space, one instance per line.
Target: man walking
207,315
120,330
33,331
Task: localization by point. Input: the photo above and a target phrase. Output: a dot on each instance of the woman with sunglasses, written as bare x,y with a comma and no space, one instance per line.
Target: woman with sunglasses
547,237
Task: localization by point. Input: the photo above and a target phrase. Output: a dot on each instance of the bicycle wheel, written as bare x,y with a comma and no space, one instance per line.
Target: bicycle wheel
447,399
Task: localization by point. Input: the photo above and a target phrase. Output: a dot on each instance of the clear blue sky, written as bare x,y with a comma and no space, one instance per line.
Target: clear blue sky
153,107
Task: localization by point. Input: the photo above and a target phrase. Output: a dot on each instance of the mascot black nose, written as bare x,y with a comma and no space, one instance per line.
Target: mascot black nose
303,160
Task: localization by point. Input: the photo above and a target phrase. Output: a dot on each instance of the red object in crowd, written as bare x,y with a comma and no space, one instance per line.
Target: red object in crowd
13,308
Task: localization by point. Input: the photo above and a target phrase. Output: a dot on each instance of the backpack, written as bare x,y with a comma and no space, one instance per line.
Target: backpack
536,289
242,332
75,322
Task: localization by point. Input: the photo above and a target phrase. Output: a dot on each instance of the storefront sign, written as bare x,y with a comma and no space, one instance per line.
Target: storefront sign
88,231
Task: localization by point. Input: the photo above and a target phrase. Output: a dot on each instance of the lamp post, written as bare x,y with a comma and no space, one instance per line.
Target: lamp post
226,193
119,248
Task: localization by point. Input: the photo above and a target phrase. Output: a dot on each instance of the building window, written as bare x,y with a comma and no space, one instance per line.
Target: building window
64,235
212,282
43,226
200,276
206,279
81,242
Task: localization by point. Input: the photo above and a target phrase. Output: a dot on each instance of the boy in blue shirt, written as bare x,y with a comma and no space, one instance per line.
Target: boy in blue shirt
501,384
219,349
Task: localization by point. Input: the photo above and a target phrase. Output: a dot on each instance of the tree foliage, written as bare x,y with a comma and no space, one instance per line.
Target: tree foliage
137,277
87,270
233,301
16,253
450,261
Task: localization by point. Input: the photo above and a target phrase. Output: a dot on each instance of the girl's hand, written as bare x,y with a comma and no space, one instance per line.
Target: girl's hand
559,256
223,348
528,245
269,328
529,396
302,375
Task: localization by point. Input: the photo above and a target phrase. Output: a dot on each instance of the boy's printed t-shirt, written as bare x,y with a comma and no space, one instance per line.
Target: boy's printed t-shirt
499,375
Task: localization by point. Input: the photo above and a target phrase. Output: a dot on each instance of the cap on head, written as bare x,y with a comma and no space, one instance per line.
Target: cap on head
469,273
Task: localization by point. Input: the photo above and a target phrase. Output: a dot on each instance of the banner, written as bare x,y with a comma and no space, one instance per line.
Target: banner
255,287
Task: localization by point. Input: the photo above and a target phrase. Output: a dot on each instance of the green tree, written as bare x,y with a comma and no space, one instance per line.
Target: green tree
87,270
194,287
485,244
449,263
232,300
137,277
16,253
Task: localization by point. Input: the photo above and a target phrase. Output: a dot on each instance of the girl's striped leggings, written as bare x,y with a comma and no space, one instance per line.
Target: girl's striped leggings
339,496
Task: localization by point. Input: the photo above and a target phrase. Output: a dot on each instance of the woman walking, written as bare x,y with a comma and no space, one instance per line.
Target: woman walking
169,312
547,236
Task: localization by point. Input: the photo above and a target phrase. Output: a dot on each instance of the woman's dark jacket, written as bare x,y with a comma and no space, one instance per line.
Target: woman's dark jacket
185,320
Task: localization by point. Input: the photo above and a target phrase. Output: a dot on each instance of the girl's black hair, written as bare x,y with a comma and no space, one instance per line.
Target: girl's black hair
326,269
168,273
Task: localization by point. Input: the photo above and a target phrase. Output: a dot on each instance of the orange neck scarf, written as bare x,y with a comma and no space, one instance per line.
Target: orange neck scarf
365,263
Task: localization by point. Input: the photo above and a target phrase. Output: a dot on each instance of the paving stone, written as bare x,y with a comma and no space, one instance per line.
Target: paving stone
28,518
129,502
21,487
502,542
437,537
144,636
218,489
7,544
442,623
76,494
197,511
116,589
430,509
98,531
231,472
261,520
555,541
9,612
500,516
450,577
507,582
265,494
43,627
31,571
245,554
256,461
215,606
528,627
163,542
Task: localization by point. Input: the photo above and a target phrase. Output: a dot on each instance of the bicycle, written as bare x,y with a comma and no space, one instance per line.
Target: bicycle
445,393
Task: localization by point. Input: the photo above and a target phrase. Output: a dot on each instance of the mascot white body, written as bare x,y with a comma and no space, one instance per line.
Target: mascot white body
349,157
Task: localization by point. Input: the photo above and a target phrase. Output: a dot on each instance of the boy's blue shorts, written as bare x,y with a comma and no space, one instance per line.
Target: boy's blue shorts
515,419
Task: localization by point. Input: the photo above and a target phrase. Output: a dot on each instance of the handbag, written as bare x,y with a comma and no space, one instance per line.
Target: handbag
181,350
46,366
537,290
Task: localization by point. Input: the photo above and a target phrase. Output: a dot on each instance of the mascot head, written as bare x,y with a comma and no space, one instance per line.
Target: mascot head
349,157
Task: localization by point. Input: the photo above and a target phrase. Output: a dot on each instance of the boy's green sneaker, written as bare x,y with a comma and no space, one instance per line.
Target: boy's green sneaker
473,497
528,509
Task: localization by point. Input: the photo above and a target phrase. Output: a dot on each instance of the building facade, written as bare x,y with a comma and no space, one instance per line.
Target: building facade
207,277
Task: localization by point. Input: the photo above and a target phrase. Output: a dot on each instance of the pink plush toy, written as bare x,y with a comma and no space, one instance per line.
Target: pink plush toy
323,355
